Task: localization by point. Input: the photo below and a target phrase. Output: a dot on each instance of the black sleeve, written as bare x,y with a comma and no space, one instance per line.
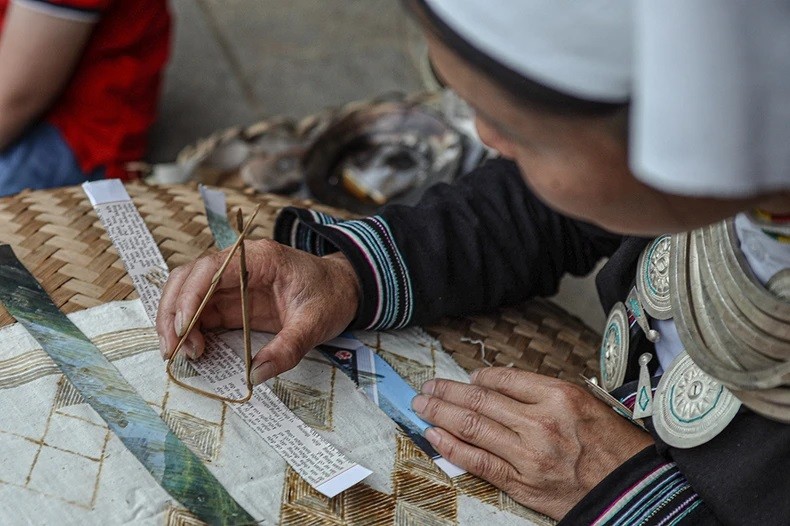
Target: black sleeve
647,490
744,472
479,243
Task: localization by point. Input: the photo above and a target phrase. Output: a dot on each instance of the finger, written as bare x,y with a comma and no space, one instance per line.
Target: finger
523,386
476,461
167,309
196,285
282,353
194,345
482,400
467,425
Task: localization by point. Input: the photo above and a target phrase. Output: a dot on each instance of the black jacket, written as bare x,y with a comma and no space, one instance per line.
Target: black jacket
487,241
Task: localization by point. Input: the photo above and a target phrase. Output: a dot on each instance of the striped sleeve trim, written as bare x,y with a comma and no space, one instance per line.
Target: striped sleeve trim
305,238
387,294
662,498
394,304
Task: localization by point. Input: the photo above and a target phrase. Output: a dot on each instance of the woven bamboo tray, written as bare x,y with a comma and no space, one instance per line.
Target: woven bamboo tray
56,234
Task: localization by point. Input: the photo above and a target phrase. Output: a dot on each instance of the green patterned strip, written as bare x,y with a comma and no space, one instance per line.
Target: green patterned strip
216,214
141,430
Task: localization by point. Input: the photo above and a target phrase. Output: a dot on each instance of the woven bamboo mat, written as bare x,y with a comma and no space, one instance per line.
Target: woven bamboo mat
56,234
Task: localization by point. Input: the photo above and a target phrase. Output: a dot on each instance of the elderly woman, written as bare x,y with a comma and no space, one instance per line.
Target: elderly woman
614,120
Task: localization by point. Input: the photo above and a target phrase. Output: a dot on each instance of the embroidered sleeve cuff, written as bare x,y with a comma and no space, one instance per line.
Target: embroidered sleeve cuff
387,299
646,490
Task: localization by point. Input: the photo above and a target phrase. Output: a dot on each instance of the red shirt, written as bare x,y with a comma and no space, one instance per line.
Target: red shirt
110,102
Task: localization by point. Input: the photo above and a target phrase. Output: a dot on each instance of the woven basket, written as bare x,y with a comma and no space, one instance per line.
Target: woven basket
56,234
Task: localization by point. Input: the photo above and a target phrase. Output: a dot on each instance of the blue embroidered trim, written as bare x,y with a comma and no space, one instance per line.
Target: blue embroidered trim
387,287
374,239
661,498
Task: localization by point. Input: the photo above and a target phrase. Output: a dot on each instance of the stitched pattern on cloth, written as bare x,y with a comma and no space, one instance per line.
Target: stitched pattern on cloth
422,495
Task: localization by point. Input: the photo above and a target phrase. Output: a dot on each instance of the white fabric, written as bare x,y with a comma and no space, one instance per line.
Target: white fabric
711,104
766,256
578,48
59,463
708,80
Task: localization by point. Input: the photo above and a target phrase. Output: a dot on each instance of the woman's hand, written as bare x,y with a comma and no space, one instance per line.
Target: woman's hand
303,298
543,441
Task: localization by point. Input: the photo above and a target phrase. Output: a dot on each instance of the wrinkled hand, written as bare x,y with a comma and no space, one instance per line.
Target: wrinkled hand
303,298
543,441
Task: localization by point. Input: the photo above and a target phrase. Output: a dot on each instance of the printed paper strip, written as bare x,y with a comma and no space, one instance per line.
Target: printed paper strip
377,379
308,453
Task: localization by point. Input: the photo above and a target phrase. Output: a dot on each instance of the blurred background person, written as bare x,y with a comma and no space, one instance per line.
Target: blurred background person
79,85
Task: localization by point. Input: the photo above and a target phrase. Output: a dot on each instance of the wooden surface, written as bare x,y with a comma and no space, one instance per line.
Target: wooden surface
56,234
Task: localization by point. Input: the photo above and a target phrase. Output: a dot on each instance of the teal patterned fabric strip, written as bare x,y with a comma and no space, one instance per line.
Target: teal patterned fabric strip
217,216
224,235
141,430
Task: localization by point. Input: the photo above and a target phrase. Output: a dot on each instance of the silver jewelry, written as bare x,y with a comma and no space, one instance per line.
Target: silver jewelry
767,403
614,348
731,326
720,321
643,404
602,395
779,285
652,279
691,407
634,304
711,349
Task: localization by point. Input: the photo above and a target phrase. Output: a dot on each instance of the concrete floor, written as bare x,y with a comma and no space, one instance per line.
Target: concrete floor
235,62
238,61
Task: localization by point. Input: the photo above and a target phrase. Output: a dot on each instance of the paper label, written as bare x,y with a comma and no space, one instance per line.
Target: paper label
308,453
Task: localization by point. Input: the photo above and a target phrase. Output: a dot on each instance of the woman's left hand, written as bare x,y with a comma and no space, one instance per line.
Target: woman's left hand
543,441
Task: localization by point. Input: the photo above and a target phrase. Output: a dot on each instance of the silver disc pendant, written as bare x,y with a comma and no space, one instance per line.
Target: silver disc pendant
690,407
614,348
779,284
652,278
635,305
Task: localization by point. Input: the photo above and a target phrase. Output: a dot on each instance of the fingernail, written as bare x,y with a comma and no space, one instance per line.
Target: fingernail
419,402
163,347
433,436
262,373
189,349
473,375
427,387
179,322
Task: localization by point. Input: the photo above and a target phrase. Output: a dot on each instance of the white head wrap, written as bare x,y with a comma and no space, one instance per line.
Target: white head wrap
709,81
578,47
711,104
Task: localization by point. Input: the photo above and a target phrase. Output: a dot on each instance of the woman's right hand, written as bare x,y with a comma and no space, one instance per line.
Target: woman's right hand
305,299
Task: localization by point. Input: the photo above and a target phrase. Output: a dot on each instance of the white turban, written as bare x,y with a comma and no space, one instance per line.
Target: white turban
579,47
711,102
708,80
